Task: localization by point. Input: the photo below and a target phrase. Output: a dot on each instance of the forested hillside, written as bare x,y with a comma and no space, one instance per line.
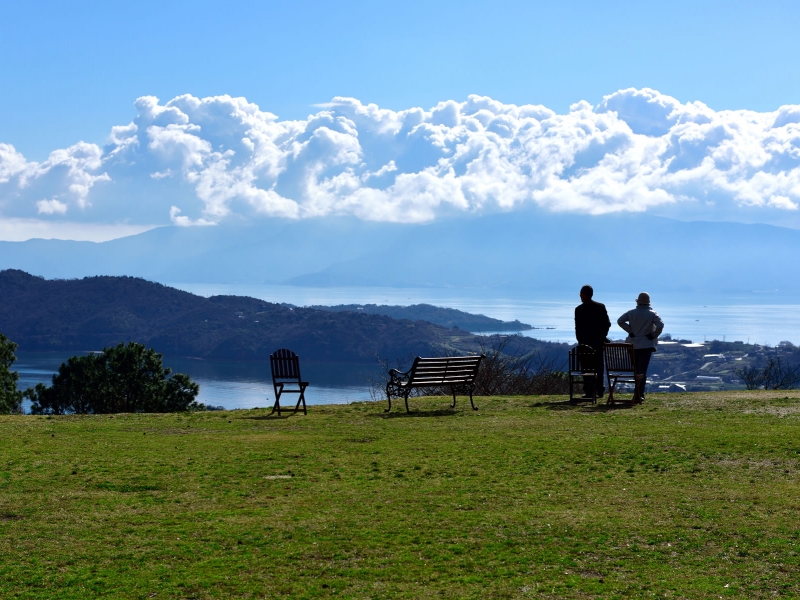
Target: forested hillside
447,317
96,312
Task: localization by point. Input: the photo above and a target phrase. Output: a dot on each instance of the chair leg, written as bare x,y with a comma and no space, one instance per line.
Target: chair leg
277,405
302,399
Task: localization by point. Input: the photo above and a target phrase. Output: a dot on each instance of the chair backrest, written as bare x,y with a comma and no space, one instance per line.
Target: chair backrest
582,358
619,357
285,365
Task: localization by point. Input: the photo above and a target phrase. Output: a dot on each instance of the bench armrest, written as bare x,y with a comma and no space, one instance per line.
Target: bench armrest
398,375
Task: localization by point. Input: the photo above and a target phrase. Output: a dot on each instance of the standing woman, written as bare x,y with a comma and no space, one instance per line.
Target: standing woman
643,326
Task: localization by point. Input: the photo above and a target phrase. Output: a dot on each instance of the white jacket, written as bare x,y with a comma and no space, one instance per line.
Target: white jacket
638,323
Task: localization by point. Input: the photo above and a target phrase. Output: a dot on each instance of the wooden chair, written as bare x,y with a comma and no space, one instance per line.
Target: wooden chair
621,368
582,369
285,367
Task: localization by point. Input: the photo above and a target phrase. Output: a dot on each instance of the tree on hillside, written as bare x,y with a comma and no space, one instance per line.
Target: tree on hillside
775,375
506,369
10,396
124,378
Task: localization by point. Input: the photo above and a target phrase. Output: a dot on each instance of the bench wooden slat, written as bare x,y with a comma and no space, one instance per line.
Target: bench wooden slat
452,365
458,374
448,362
429,375
464,374
451,360
436,376
444,369
435,381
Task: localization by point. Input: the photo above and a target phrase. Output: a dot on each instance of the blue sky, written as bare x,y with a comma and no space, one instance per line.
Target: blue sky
72,71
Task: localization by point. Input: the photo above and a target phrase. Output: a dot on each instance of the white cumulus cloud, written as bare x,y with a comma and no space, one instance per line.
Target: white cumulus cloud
199,161
50,207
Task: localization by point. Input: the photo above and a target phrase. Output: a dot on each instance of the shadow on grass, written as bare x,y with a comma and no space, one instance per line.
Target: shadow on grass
414,414
273,417
582,406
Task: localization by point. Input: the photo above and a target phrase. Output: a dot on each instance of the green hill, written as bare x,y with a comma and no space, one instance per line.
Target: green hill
96,312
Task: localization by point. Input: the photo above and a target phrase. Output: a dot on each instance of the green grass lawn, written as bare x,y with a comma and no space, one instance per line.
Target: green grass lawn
686,496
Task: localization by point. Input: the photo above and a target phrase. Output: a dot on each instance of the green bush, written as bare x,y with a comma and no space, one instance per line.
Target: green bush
123,379
10,396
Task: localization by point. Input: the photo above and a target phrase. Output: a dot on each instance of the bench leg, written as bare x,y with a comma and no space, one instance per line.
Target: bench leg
453,405
388,397
471,402
406,399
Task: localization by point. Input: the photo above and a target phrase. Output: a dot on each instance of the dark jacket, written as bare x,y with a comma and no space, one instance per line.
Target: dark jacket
591,323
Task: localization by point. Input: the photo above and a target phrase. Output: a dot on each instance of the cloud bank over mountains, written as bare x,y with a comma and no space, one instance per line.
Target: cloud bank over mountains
203,161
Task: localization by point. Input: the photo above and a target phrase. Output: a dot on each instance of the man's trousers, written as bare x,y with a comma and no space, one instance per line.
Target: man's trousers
589,384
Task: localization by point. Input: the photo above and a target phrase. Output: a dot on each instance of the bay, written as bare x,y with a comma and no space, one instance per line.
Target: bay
760,317
763,318
230,384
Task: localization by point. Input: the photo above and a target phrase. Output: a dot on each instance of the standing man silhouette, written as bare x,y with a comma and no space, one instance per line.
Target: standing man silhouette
591,328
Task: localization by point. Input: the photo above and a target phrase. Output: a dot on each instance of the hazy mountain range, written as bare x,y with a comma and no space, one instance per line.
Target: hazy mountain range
525,250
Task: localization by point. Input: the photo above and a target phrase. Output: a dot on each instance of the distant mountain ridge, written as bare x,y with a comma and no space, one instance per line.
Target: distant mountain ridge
97,312
524,250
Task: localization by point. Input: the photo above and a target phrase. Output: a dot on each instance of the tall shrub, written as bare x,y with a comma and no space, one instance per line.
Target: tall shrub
10,396
124,378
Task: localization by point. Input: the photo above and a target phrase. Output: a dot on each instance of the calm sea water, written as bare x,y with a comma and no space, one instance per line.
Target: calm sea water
756,318
763,318
228,384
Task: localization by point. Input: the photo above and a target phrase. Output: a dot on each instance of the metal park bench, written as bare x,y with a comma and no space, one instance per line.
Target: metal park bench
582,367
285,367
456,372
621,368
